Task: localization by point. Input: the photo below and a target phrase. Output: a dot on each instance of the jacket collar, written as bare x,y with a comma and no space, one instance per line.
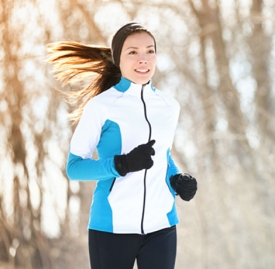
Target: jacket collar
128,87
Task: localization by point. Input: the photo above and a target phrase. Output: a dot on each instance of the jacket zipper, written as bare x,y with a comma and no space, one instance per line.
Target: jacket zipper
145,173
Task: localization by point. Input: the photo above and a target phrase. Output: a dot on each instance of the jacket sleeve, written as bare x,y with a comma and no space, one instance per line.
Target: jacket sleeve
88,169
172,168
84,141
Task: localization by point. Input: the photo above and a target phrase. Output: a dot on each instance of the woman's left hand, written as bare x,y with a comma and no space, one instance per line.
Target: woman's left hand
184,185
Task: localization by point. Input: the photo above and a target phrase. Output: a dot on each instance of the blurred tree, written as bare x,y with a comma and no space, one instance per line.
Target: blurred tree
215,57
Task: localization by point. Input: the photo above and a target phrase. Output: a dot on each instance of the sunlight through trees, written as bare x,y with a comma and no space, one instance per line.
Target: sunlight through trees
216,57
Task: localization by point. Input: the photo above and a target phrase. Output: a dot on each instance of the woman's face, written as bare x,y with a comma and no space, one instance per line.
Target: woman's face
138,58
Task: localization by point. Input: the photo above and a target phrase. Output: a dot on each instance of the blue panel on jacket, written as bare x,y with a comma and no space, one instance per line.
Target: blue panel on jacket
101,212
110,140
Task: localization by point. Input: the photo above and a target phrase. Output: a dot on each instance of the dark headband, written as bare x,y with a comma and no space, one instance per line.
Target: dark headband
122,34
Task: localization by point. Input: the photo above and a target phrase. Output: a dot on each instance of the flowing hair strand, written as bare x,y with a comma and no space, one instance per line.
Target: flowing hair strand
75,63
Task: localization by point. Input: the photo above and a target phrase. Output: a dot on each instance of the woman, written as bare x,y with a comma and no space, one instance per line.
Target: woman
131,125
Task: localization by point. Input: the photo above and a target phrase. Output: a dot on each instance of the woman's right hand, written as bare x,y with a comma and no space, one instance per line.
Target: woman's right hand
137,159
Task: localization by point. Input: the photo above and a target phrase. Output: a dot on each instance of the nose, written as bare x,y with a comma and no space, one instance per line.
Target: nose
143,59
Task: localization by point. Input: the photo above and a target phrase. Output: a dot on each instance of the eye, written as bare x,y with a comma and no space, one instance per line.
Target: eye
151,51
133,52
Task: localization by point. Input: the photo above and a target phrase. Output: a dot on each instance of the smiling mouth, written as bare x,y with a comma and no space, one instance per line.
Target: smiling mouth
142,71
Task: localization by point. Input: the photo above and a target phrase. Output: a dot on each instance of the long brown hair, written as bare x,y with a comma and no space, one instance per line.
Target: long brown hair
74,62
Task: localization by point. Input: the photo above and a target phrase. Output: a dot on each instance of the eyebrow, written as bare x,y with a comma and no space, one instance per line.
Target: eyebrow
137,47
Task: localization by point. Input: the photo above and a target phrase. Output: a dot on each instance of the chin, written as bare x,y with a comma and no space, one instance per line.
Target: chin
141,80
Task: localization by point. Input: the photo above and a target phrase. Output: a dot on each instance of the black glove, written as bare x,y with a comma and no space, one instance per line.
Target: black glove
137,159
184,185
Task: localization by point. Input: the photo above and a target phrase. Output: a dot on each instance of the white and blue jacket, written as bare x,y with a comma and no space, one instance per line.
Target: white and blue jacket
115,122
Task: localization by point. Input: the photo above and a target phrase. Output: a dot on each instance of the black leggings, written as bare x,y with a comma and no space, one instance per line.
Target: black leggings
155,250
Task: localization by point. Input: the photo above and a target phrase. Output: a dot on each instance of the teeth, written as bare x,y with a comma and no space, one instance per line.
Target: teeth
142,71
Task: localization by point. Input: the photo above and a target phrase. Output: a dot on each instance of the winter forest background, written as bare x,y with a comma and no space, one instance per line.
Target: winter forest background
216,57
